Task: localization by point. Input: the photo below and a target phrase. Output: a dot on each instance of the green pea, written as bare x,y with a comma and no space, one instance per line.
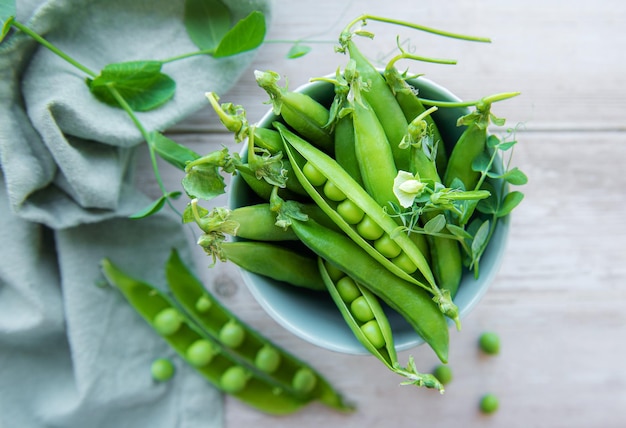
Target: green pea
347,289
315,177
350,211
489,342
168,321
404,262
369,229
234,379
267,359
443,373
200,353
203,304
361,310
162,369
489,403
334,273
387,246
372,332
232,334
333,192
304,380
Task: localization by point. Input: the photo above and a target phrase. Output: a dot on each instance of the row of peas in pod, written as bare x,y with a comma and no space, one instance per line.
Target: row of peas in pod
227,352
357,175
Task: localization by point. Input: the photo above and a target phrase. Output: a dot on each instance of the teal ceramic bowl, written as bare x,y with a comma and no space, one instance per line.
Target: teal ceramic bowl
313,316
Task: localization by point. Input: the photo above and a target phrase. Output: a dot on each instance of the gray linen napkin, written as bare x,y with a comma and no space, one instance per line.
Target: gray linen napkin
73,354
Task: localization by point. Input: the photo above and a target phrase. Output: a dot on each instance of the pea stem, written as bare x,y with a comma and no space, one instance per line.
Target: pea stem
486,100
405,55
345,35
153,160
26,30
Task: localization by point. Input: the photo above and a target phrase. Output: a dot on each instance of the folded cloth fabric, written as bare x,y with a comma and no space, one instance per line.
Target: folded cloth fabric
72,353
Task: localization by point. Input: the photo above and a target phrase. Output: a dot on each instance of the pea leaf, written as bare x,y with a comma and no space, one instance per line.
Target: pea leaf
206,22
298,51
481,163
204,181
155,206
510,201
480,239
246,35
488,205
188,216
493,141
515,176
435,224
140,83
506,145
170,151
458,231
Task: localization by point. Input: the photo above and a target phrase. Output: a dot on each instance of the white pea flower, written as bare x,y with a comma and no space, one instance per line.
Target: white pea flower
407,187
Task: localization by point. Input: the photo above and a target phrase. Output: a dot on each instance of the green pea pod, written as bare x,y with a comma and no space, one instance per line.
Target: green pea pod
345,154
384,104
445,253
268,139
211,317
372,328
263,189
412,303
250,386
271,260
407,97
387,353
300,111
374,154
470,145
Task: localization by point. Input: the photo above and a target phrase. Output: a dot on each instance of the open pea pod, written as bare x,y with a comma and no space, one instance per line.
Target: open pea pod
283,368
216,363
379,334
366,318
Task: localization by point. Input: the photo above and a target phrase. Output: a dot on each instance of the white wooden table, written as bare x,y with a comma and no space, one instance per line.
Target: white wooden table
559,300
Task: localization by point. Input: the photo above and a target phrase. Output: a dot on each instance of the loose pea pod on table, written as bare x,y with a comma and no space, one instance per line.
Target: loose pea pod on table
367,320
212,357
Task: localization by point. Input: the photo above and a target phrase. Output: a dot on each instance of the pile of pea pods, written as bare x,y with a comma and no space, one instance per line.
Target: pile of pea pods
359,194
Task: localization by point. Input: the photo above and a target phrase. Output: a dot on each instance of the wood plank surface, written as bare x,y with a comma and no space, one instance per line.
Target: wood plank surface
558,301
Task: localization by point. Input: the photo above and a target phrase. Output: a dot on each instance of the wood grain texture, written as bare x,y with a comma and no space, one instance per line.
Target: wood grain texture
558,300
